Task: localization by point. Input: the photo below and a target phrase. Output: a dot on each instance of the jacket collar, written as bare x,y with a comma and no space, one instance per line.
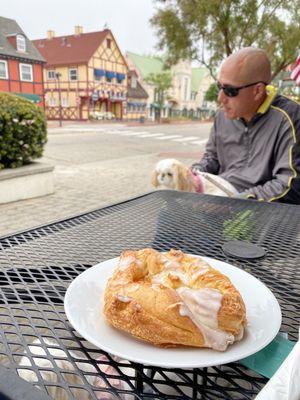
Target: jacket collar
271,93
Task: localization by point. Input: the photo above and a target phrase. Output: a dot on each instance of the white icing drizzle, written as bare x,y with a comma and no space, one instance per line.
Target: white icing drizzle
170,264
198,273
240,335
125,262
202,307
124,299
120,281
133,288
181,275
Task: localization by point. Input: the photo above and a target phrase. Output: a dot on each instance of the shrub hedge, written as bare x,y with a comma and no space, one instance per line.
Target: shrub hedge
23,131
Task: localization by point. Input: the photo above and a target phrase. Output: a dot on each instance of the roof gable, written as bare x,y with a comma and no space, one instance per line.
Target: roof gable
8,29
197,76
146,64
71,49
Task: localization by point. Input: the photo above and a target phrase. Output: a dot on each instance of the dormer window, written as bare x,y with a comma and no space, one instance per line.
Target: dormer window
133,82
21,43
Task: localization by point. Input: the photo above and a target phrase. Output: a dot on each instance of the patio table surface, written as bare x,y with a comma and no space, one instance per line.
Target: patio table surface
37,266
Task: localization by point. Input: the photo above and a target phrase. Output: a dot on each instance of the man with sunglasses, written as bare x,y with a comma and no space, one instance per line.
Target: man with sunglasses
254,142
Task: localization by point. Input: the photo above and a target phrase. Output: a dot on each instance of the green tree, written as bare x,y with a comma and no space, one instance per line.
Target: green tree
161,82
212,93
208,31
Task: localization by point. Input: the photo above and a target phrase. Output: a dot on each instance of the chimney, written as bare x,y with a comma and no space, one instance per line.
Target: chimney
50,34
78,30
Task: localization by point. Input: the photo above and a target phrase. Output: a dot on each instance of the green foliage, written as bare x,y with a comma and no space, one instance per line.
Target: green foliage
161,83
208,31
22,131
212,93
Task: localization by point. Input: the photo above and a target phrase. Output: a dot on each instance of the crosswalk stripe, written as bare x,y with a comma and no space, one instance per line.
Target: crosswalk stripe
200,141
127,132
154,135
131,134
185,139
118,132
169,137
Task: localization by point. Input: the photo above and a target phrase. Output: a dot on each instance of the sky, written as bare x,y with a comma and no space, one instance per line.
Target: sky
127,19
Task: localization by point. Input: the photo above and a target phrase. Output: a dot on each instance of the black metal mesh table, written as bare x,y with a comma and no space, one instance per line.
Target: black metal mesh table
37,266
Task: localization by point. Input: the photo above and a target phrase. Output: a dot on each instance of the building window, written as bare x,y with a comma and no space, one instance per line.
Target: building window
3,69
21,43
73,74
51,74
52,102
108,43
133,82
193,95
185,90
26,72
65,102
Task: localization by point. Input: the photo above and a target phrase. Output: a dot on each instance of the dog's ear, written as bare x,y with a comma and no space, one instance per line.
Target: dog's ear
185,179
154,179
181,178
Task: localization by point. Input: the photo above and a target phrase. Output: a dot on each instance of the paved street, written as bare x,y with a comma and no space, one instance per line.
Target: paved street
99,164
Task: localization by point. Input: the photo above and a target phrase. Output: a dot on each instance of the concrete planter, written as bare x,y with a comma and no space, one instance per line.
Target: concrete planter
33,180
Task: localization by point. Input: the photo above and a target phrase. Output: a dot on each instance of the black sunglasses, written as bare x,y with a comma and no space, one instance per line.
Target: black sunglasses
232,91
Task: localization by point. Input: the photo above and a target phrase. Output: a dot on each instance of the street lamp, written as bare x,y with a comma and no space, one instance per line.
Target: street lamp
58,75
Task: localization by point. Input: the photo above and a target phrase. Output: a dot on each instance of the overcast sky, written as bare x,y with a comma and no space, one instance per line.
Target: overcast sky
128,19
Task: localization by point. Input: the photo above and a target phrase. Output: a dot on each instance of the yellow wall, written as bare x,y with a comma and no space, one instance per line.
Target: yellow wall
136,114
109,59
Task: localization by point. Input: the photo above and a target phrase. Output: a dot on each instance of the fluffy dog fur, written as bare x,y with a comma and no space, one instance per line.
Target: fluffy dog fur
172,174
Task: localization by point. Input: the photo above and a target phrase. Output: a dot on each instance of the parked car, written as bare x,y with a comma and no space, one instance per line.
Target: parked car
103,115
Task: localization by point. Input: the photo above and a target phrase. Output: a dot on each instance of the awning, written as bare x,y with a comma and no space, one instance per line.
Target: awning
110,74
30,96
99,72
120,76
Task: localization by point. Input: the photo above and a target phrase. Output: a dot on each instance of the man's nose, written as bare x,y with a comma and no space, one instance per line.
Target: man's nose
221,96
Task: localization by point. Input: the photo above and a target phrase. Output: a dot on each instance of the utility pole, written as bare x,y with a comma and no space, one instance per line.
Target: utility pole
58,75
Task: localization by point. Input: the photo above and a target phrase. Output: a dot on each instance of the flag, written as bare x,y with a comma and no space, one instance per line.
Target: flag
295,74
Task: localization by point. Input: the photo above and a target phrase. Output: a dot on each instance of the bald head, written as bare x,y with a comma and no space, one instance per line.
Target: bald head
249,65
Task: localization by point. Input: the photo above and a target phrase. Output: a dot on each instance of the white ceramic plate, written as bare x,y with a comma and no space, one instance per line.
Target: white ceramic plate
83,306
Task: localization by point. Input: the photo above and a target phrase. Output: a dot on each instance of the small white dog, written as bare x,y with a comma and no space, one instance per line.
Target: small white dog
173,174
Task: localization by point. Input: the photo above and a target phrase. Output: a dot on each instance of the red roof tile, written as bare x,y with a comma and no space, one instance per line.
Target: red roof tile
72,49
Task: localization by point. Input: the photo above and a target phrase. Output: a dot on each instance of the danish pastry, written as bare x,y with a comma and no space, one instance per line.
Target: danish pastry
173,299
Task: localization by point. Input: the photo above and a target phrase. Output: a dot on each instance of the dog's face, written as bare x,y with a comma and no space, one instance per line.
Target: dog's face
172,174
165,174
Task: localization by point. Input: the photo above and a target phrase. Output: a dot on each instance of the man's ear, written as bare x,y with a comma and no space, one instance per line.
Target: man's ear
154,179
260,91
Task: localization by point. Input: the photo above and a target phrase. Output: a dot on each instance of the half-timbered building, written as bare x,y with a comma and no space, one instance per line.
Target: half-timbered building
85,75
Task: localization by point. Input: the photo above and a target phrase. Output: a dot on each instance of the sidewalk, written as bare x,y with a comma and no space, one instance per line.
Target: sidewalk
81,187
78,189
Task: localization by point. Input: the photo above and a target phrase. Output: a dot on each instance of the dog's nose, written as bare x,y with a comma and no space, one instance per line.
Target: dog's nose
163,175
